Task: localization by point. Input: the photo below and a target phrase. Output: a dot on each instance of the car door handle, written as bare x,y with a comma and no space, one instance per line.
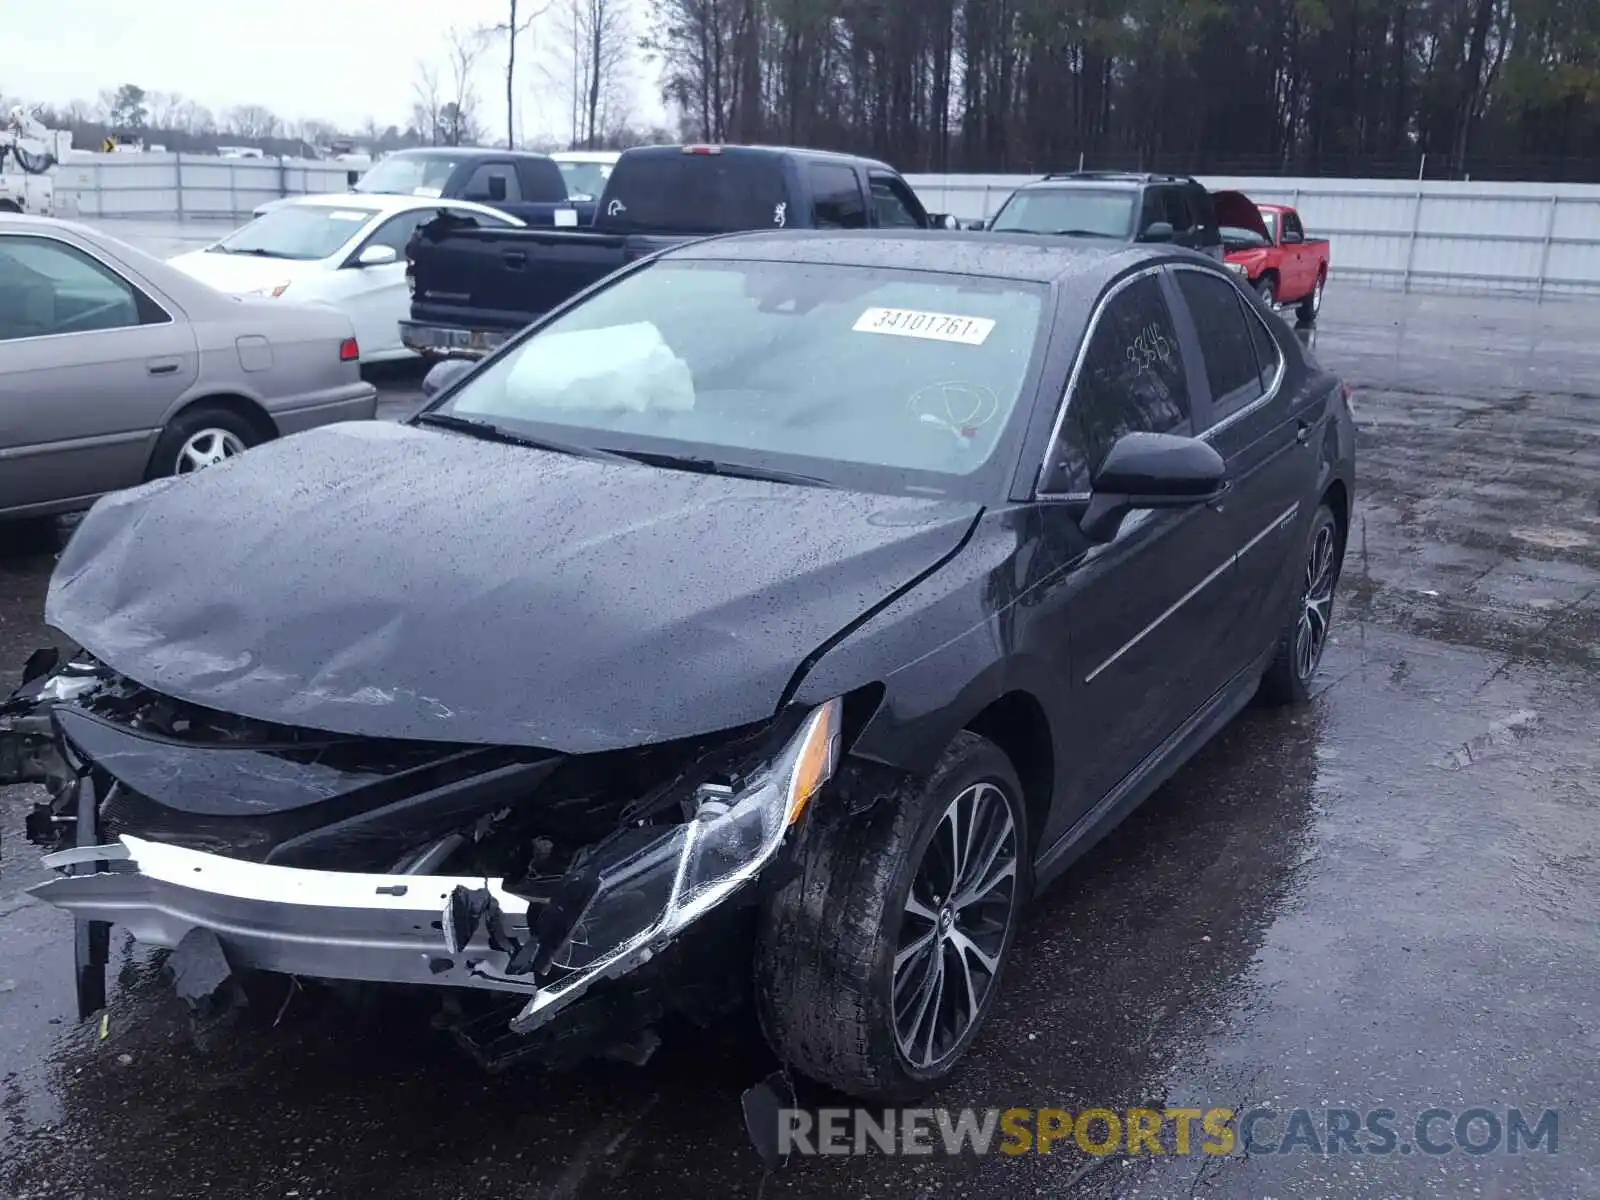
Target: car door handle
1302,432
163,366
515,259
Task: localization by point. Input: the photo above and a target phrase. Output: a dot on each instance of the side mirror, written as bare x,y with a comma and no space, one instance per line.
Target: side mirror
980,224
441,375
377,256
1157,231
943,221
1151,470
1293,239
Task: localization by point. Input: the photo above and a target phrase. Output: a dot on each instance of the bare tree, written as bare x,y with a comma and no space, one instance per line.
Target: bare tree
464,47
594,48
166,109
252,121
196,119
519,20
426,103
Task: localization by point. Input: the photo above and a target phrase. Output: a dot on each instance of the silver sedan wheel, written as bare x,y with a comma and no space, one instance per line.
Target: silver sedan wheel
1316,610
957,917
206,448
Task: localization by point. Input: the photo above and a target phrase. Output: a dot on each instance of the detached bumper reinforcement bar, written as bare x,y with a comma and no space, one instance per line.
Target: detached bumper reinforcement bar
319,924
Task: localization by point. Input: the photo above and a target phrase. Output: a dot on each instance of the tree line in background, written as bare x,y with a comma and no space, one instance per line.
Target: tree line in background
1331,87
587,49
1449,88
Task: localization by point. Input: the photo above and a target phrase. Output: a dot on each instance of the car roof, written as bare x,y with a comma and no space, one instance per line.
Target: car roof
463,152
389,203
587,156
798,152
1022,257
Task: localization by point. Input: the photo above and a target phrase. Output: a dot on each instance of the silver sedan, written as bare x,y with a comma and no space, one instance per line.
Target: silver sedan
116,368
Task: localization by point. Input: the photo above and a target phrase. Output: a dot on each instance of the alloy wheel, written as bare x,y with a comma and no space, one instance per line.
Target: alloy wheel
1316,608
206,448
957,917
1316,298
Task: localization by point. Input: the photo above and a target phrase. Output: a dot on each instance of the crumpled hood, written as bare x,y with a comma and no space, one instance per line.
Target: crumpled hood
389,581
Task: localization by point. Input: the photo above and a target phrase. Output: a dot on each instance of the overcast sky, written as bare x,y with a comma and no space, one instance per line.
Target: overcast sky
337,60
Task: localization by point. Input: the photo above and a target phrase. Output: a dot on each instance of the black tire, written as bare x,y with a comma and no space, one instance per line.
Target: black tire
1267,289
1288,678
1311,305
825,960
191,423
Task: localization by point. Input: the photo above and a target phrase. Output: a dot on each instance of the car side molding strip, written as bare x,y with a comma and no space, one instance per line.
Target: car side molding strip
1277,522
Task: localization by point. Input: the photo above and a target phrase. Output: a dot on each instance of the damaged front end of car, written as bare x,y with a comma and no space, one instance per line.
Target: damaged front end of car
550,884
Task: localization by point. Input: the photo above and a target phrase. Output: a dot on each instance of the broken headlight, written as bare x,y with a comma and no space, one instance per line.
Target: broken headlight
663,880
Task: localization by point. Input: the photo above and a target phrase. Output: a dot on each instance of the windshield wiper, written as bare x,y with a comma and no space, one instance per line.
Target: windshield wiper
1080,233
256,251
490,432
709,466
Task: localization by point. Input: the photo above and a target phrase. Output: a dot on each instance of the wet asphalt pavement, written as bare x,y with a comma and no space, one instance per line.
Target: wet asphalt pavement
1390,899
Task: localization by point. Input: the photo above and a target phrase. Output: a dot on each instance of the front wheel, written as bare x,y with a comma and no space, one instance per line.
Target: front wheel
1267,289
878,962
1305,635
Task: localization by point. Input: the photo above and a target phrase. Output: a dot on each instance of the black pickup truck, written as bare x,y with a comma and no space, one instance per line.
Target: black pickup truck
472,287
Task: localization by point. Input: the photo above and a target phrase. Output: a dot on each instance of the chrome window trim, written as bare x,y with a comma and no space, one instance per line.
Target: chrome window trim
1112,293
49,235
1083,349
1272,388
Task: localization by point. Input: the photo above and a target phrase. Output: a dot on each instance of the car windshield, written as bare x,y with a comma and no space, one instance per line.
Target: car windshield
895,381
300,231
585,178
1083,212
1271,218
410,175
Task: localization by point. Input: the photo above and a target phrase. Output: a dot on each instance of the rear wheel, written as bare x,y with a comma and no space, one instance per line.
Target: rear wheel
878,963
1312,304
201,437
1305,635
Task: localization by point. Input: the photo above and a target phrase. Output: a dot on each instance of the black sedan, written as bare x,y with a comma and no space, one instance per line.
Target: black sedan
797,599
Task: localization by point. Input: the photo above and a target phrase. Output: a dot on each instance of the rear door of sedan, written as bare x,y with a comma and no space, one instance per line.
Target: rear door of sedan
91,358
1254,412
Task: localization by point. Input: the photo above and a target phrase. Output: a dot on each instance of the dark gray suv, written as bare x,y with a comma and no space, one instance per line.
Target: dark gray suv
1114,205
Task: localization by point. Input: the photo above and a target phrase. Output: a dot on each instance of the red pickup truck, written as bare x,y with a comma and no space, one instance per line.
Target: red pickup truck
1267,246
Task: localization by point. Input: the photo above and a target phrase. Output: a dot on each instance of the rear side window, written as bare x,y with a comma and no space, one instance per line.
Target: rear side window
836,201
1205,213
1177,209
1132,380
493,183
1269,359
696,193
542,181
1225,341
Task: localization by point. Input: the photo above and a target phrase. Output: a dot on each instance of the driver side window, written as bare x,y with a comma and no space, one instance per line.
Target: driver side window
1132,380
48,287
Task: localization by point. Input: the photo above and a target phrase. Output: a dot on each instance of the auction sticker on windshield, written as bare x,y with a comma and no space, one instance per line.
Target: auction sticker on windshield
343,215
938,327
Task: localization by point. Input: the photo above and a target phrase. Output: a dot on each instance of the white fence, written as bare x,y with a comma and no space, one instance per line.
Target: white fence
1533,239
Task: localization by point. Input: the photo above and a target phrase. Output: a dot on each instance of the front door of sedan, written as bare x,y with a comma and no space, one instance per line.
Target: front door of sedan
90,364
1131,625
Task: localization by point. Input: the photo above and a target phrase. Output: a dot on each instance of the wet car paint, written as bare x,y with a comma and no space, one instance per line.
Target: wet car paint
1398,888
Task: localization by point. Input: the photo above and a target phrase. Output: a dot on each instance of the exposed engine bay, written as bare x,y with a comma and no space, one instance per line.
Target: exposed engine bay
519,874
